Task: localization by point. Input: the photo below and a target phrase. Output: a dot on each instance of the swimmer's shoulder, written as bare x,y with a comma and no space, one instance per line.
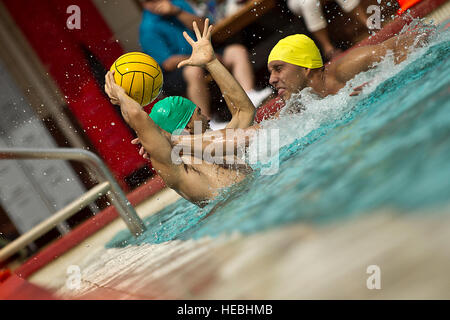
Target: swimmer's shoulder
333,82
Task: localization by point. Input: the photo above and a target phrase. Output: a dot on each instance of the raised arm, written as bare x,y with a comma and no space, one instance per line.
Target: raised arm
240,106
155,141
363,58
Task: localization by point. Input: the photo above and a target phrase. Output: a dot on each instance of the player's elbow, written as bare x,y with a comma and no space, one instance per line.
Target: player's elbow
134,114
245,121
250,115
137,118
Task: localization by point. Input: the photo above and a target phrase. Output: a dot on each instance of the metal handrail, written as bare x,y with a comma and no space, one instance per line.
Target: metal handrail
110,187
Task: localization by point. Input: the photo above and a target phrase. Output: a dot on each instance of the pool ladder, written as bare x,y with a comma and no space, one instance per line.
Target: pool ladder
107,186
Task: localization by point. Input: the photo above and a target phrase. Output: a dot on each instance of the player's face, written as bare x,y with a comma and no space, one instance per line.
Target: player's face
198,121
286,78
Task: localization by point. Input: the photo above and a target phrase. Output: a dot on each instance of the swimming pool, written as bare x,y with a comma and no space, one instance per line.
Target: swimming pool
340,158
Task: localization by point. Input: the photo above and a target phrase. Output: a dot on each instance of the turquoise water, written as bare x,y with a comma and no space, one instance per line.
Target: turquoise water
341,158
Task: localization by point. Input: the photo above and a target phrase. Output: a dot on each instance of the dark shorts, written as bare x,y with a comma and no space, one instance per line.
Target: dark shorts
174,84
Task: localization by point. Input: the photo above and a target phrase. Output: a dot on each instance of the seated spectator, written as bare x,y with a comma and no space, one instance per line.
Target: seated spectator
161,37
312,13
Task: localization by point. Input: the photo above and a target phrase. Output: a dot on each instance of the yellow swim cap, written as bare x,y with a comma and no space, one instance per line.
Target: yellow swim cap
299,50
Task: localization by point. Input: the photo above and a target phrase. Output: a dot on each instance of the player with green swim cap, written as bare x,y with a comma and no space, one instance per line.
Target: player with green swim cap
173,113
197,181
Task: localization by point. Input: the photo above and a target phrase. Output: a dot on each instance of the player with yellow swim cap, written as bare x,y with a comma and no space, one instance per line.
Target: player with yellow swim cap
295,63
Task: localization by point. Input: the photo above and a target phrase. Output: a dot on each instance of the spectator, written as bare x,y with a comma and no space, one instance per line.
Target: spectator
161,37
312,13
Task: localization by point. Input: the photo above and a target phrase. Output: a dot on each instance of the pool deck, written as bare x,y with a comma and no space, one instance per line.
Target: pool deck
290,262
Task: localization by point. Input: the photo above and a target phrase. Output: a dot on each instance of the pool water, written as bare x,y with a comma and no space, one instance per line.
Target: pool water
340,158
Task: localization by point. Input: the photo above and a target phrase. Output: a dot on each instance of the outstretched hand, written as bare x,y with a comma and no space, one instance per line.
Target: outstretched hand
202,50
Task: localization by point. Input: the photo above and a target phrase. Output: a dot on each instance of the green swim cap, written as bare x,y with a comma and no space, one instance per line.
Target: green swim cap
172,113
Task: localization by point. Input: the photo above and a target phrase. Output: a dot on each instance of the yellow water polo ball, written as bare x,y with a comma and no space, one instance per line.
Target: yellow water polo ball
140,75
